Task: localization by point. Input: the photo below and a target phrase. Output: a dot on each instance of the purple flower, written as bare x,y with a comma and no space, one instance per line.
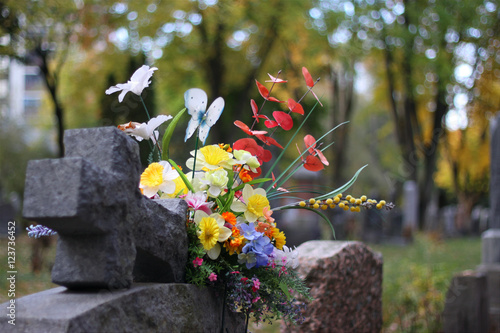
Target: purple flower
40,230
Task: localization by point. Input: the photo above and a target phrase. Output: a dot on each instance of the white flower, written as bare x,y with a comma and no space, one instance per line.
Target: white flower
158,177
245,158
196,182
145,130
136,84
216,180
287,257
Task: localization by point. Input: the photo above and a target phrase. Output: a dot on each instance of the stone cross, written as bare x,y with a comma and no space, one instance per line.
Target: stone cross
109,233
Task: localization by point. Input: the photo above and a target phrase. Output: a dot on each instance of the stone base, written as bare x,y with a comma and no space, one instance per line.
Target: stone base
146,307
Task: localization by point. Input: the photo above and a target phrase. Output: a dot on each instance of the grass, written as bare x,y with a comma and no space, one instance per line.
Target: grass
416,278
26,281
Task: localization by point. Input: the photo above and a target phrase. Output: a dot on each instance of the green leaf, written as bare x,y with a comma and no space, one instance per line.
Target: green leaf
284,288
183,176
252,182
323,216
168,134
342,188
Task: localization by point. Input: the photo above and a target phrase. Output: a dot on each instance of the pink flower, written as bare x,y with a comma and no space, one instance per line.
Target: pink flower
198,201
256,285
212,277
255,299
197,262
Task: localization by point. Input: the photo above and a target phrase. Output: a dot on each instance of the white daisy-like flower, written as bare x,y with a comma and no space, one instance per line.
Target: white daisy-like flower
137,83
145,130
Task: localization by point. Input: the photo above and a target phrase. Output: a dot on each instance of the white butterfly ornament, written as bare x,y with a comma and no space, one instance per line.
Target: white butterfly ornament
196,103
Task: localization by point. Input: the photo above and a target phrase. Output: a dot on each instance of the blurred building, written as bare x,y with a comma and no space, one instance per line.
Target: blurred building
21,90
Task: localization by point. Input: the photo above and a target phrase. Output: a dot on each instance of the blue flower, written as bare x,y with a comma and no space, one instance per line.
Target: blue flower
249,231
261,247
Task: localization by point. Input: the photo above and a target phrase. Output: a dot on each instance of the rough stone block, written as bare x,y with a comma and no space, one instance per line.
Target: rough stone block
161,240
346,283
466,307
143,308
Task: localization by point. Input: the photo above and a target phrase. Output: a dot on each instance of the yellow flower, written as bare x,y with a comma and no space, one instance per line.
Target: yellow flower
158,177
252,204
210,157
279,238
211,231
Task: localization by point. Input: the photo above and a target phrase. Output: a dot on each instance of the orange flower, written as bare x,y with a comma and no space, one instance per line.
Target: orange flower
234,244
245,176
229,218
266,228
226,147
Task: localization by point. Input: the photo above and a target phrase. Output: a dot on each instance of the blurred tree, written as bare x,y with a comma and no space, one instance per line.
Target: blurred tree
420,44
43,33
464,167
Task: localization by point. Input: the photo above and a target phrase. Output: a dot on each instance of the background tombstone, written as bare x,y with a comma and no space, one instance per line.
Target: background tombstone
466,307
490,259
449,214
410,208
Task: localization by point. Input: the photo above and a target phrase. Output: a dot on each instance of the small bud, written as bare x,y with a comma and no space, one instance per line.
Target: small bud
302,204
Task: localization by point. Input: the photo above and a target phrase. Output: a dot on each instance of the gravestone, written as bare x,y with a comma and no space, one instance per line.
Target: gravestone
110,235
372,225
449,214
466,307
346,285
490,259
92,199
410,208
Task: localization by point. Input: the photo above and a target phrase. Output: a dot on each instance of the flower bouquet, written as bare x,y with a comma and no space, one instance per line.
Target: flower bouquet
234,242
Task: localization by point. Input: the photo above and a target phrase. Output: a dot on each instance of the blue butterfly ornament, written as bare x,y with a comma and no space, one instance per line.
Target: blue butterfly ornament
196,103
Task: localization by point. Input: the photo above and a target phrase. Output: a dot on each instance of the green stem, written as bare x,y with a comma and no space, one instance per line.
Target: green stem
145,108
195,153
